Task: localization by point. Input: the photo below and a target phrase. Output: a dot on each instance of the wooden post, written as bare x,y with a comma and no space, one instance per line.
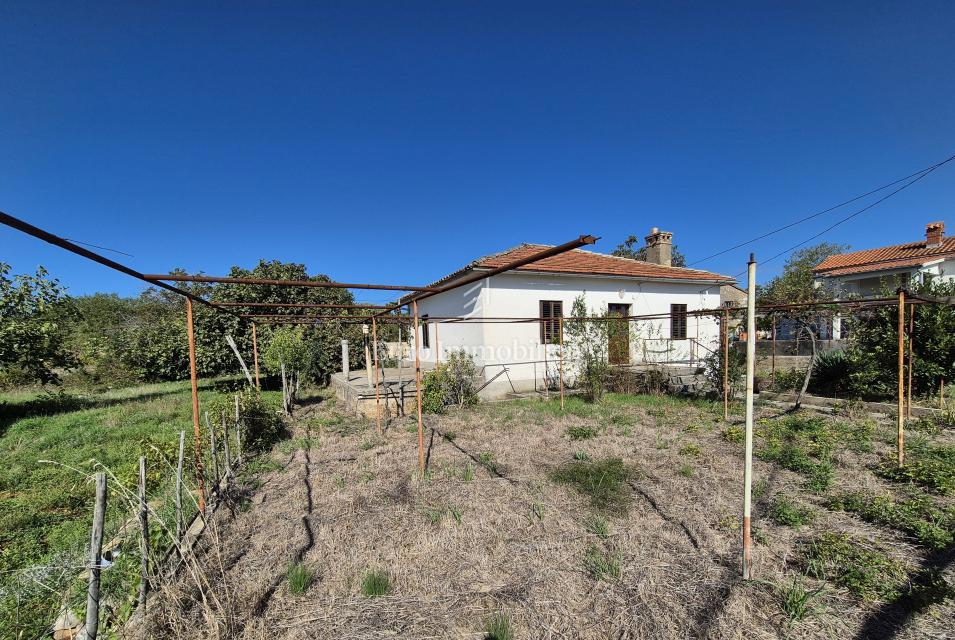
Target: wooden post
941,394
374,342
908,404
96,550
144,535
417,378
748,441
285,403
238,356
255,357
400,401
225,447
560,329
215,451
726,366
773,370
901,407
238,432
180,529
191,333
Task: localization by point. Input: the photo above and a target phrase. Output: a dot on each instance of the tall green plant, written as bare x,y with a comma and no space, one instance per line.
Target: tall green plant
586,342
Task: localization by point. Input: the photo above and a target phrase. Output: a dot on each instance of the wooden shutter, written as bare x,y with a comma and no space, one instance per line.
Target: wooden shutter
678,321
425,338
550,311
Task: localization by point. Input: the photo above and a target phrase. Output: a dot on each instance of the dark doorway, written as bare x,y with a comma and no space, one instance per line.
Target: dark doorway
618,334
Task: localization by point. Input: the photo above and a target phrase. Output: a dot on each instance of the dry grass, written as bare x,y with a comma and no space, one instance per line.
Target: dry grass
526,547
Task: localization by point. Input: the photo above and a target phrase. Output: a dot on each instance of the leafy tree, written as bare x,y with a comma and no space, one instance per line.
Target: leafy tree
33,313
795,284
632,248
587,342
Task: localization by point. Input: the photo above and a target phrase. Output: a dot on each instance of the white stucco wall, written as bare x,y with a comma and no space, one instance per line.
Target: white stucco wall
518,346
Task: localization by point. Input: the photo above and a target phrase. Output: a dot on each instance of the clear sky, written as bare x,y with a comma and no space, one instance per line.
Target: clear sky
396,141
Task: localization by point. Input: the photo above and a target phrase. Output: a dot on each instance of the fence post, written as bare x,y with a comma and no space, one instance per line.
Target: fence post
144,537
225,447
417,377
255,357
726,354
182,451
560,329
908,404
215,451
748,442
285,403
194,379
238,434
96,549
374,339
901,407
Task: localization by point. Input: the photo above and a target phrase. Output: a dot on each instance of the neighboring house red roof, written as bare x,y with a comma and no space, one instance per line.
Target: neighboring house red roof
913,254
580,262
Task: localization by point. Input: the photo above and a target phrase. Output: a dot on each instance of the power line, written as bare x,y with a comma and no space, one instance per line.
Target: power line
856,213
921,174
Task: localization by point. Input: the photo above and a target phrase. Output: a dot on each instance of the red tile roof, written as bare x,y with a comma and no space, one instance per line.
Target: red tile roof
913,254
580,262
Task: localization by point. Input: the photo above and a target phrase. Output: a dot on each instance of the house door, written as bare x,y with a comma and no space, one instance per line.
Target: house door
618,334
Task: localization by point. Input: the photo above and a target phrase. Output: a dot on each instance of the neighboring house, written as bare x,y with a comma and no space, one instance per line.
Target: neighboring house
872,273
547,289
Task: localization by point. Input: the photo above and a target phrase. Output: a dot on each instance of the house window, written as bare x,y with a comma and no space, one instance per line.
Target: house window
678,322
425,337
551,311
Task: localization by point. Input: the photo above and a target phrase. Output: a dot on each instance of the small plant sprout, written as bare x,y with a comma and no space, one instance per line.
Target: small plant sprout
581,455
797,602
498,627
299,578
598,526
686,471
581,433
375,583
538,510
455,512
468,473
691,450
601,564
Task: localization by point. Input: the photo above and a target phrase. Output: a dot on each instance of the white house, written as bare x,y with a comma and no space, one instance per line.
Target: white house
873,272
529,350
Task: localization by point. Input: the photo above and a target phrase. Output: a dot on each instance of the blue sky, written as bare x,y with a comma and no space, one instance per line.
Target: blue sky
394,142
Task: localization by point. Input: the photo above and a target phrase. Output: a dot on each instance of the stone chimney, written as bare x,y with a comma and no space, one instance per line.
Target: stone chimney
934,232
660,247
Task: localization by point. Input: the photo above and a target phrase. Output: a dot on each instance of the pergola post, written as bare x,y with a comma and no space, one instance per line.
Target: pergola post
748,441
191,333
374,348
560,331
725,333
417,378
908,410
901,403
255,357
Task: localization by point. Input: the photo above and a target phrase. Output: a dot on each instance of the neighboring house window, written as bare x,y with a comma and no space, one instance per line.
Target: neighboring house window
425,337
551,310
678,322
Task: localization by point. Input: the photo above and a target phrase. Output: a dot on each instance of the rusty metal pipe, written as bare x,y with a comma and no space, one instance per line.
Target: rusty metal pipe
172,277
300,305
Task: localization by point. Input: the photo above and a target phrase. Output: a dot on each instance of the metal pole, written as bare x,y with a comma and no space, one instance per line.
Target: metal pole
144,535
726,367
255,357
908,411
374,348
364,329
96,550
901,407
773,374
437,348
417,378
180,529
748,460
191,333
400,403
560,329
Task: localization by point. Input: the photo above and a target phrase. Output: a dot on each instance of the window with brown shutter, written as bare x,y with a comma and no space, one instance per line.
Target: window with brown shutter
551,310
678,322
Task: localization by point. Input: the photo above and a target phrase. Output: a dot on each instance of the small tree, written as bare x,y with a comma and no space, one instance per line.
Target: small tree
449,384
629,249
587,346
33,313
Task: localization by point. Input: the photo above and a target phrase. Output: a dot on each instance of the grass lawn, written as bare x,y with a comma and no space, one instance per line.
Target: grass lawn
50,445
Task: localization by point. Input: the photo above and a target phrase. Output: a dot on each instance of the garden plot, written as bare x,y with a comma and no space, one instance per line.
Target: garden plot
617,520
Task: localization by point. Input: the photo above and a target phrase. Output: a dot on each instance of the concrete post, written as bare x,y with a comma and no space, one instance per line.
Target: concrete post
345,358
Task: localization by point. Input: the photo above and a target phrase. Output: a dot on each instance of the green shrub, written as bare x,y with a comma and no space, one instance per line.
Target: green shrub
299,578
917,516
932,467
803,444
603,481
865,572
581,455
375,583
451,383
788,380
691,450
598,526
261,424
686,471
832,374
788,512
581,433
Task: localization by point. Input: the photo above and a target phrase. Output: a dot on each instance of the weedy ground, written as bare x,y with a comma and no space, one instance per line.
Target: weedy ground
615,520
